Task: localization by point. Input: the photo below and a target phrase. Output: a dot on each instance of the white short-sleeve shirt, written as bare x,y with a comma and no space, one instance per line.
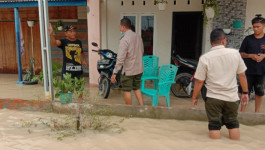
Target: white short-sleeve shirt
219,68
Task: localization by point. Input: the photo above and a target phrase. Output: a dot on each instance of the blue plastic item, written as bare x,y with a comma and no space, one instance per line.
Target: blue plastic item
66,97
165,78
151,68
237,24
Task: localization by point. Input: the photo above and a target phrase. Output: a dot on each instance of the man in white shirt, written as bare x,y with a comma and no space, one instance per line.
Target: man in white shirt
218,69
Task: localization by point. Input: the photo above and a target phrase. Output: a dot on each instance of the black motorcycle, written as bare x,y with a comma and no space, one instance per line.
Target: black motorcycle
105,68
185,77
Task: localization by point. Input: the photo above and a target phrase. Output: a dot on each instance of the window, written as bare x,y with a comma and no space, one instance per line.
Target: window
144,25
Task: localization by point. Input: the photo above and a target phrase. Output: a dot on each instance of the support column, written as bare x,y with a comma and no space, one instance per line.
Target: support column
18,46
94,35
206,36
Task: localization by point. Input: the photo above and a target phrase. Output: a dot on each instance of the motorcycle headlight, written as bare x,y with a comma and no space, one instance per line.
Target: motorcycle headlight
109,55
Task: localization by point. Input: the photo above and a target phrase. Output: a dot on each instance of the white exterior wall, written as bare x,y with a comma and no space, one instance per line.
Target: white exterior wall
111,11
254,7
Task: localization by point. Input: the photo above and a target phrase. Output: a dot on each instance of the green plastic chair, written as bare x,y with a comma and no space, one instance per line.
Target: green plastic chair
151,68
166,77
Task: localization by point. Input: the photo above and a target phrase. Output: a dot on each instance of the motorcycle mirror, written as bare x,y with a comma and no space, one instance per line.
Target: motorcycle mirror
95,44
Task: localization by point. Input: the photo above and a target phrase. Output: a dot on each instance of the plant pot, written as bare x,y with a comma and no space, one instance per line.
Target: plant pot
30,82
237,24
227,31
30,23
66,97
161,6
209,12
60,28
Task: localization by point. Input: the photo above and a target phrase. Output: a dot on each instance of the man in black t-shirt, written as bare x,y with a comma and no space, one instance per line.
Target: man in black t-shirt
252,51
73,55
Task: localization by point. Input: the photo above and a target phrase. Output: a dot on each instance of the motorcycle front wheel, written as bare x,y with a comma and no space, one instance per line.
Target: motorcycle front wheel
181,87
104,87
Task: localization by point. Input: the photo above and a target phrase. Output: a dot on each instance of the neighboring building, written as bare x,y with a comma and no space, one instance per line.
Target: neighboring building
8,52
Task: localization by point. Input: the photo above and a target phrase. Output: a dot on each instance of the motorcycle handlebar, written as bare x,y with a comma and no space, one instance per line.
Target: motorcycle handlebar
95,50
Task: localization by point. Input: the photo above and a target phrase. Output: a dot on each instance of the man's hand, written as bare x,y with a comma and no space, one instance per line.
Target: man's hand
84,63
254,57
260,57
194,101
113,78
244,99
50,29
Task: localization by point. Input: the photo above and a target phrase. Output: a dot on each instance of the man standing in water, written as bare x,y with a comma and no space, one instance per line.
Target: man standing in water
218,68
72,52
130,55
252,51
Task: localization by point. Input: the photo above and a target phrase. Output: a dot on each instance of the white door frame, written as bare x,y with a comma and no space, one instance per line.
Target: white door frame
138,25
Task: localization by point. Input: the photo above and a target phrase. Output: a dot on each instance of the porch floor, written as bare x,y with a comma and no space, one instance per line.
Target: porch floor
9,89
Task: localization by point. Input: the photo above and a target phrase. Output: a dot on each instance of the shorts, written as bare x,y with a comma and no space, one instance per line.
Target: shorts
129,83
221,113
256,82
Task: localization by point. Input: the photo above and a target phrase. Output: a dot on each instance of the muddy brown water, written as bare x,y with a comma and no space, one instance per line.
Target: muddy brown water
139,134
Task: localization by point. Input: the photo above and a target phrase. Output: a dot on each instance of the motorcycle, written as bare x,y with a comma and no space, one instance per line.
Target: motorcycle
105,67
185,78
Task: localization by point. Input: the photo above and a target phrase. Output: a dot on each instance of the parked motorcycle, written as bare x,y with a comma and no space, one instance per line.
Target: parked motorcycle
105,67
185,78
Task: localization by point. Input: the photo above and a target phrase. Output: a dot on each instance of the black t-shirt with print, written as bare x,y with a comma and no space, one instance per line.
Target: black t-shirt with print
252,45
72,56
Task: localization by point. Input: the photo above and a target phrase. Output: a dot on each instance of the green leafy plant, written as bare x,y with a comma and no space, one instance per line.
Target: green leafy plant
59,23
228,25
79,86
209,4
30,75
160,1
56,69
68,85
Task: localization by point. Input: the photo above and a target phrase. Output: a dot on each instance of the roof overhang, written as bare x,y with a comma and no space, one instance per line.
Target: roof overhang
18,4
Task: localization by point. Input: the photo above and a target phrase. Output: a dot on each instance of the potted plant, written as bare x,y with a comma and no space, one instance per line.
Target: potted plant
59,25
227,28
29,77
67,87
161,4
210,8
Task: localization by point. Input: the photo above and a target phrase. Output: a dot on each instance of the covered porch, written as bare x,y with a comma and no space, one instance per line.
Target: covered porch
9,90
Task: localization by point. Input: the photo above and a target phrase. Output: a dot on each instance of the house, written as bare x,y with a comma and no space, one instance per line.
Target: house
176,30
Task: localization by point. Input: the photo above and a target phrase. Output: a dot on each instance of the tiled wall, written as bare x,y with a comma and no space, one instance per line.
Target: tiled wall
231,10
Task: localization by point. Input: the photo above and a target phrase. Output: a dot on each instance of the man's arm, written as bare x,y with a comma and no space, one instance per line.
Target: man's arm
54,42
197,88
244,85
84,62
244,51
251,56
122,52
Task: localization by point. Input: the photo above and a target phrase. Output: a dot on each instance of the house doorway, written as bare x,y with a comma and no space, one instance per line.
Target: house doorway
187,34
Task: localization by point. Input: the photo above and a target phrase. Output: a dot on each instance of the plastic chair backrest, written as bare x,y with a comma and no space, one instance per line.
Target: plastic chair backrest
150,63
166,77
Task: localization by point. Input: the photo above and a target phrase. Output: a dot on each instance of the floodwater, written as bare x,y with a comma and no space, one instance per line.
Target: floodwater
139,134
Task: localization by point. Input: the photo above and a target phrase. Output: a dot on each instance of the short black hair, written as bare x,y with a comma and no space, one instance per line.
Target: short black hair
126,22
217,35
258,19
